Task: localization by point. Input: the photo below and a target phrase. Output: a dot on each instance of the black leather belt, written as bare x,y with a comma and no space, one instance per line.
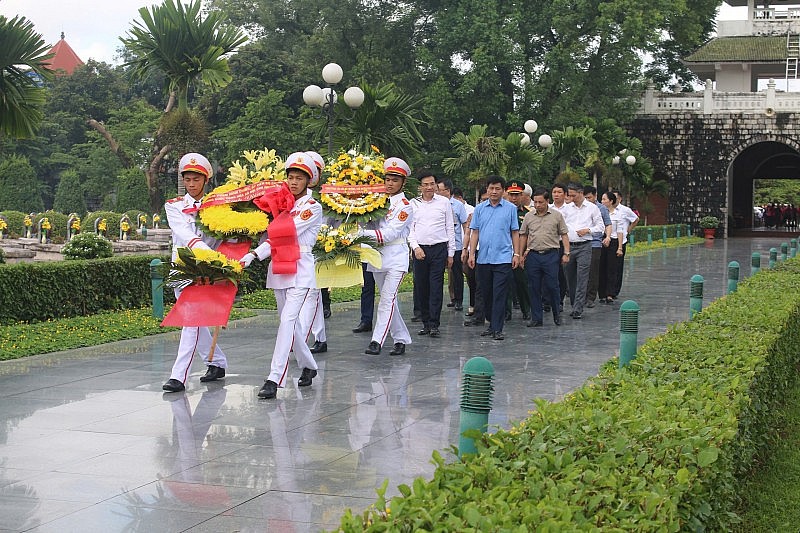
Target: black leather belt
579,243
549,250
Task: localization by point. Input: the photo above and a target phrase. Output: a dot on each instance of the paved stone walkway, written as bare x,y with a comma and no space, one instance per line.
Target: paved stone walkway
88,442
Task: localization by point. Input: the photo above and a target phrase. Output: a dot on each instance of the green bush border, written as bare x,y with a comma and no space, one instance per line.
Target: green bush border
660,446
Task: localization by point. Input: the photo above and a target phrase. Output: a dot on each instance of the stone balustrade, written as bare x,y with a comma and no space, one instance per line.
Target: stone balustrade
708,101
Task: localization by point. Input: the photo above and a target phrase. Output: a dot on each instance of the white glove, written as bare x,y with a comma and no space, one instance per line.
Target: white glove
200,245
247,259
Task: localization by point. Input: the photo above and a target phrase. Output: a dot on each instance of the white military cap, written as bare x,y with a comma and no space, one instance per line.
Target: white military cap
193,162
395,165
303,161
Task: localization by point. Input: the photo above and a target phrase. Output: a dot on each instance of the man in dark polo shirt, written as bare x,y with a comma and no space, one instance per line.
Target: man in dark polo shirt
541,233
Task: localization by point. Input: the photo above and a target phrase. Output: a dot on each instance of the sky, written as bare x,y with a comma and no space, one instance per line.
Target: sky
93,27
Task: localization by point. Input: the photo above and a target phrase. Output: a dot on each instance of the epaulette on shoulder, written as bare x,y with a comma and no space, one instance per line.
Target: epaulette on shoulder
176,199
405,202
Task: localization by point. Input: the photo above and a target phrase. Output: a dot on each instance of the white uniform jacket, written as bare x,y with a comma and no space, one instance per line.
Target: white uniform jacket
182,218
307,215
393,235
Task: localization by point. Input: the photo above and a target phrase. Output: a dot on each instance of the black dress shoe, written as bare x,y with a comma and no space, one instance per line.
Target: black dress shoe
173,385
498,336
451,304
373,349
424,331
487,333
557,320
362,327
213,374
546,308
434,332
526,316
326,312
459,307
535,324
306,376
399,349
268,390
508,316
576,315
319,347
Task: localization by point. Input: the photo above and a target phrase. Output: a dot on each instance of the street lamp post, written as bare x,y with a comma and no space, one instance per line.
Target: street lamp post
326,98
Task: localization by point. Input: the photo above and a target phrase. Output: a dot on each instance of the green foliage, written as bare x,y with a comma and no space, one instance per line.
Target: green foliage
112,222
15,220
58,221
2,257
132,192
21,99
22,339
87,246
658,446
184,130
69,194
176,40
19,188
779,191
640,232
33,292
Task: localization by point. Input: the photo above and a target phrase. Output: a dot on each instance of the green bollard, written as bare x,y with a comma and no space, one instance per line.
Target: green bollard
649,235
628,332
695,295
784,251
678,232
688,230
144,232
664,235
157,288
793,248
755,263
630,239
733,276
773,257
476,401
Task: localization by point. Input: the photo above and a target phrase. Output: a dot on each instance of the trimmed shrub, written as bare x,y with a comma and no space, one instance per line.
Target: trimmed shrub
658,446
69,194
58,221
87,246
640,232
15,219
33,292
2,257
112,222
132,191
19,188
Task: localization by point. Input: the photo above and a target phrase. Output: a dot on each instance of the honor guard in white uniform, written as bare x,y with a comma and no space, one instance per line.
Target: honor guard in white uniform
181,215
392,233
296,294
318,326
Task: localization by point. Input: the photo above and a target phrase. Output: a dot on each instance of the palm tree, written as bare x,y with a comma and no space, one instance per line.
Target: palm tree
573,144
477,153
387,119
174,39
521,161
22,52
643,186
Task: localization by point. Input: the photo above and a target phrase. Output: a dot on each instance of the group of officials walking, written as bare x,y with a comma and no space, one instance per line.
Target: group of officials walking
514,244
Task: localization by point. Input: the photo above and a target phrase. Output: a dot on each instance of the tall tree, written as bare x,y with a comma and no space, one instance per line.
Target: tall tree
176,40
21,98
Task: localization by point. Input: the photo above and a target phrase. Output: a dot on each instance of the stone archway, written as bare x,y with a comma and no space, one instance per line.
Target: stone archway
770,157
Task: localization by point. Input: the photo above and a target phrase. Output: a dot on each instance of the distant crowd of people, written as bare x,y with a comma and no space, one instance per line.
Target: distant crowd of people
777,215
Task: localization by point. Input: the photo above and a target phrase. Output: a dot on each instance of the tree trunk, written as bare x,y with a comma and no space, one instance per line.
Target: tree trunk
152,177
112,143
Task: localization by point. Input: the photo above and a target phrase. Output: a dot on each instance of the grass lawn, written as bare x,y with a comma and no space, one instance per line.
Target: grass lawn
771,495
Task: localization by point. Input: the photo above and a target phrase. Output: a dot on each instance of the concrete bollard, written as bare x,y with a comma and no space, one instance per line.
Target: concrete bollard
649,235
784,251
695,295
157,288
476,401
793,248
664,235
773,257
631,239
733,276
678,231
755,263
628,332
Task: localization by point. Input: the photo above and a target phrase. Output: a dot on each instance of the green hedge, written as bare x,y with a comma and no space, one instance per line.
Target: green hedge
659,446
33,292
640,232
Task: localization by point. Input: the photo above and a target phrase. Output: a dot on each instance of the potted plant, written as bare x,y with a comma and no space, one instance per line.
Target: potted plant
709,224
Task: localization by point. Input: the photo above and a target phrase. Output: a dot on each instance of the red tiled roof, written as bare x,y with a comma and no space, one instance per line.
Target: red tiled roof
64,57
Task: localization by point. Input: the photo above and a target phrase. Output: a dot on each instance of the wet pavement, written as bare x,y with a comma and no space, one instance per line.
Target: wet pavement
88,441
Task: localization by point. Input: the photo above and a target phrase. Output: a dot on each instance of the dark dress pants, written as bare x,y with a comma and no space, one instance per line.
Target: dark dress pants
493,281
542,271
429,272
367,295
457,279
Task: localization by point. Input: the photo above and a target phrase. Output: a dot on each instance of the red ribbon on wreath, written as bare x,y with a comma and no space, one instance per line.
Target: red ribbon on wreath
279,202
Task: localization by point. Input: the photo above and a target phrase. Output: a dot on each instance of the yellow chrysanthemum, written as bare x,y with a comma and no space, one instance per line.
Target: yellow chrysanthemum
208,256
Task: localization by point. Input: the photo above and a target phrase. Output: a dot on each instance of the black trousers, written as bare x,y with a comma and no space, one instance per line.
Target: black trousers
457,278
367,295
429,276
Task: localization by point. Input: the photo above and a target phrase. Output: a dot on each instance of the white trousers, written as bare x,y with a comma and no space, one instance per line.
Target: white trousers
318,325
296,307
195,340
388,319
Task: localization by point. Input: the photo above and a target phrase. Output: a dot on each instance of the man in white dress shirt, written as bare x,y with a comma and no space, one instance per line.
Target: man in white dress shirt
195,170
583,218
433,244
296,294
392,234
